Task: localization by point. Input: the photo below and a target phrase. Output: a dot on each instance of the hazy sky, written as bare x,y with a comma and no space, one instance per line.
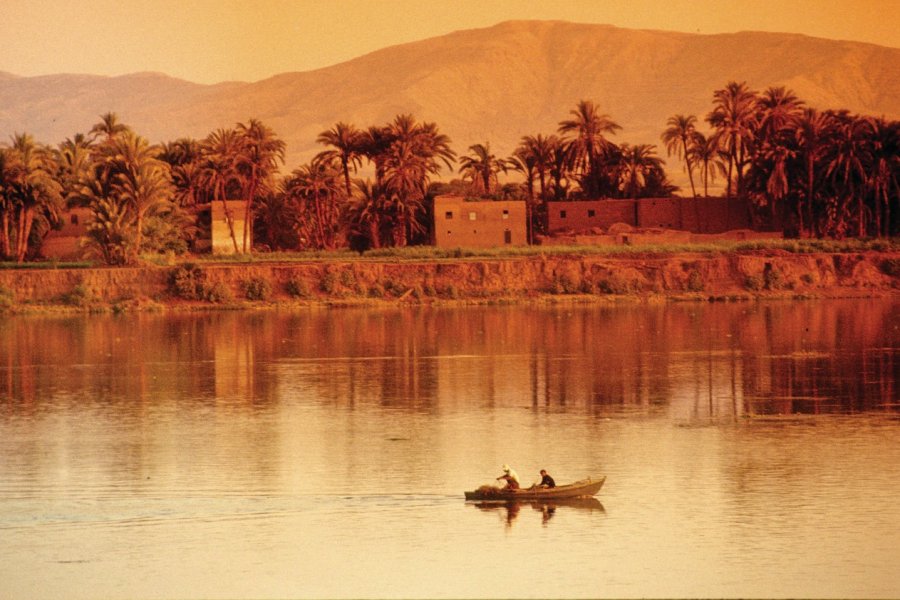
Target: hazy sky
218,40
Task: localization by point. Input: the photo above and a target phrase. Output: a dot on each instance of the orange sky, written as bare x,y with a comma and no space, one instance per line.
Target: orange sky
218,40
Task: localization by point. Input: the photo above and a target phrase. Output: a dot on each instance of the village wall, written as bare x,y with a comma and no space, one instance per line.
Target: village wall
697,215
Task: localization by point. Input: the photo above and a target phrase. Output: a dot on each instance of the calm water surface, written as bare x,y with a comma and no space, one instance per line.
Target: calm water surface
749,449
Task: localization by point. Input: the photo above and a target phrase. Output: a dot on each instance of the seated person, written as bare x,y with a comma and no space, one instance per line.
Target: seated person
546,480
511,478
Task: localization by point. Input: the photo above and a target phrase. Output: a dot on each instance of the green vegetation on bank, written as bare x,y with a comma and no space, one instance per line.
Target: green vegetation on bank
431,253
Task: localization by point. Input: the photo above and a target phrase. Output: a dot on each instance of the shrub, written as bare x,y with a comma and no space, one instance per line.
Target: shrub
79,296
753,283
807,278
257,288
565,284
773,279
616,284
890,266
297,288
188,282
219,293
695,281
329,283
7,298
376,291
348,279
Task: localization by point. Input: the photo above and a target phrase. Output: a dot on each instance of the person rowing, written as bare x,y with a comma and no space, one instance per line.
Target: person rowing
546,480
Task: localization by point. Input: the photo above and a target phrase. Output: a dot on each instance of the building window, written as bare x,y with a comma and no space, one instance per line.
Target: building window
507,236
562,214
74,220
505,214
592,213
471,216
448,215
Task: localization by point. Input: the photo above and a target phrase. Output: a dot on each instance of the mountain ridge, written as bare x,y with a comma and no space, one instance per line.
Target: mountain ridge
491,84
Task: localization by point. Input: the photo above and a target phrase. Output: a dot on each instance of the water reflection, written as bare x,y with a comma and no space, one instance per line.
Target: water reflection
695,362
509,510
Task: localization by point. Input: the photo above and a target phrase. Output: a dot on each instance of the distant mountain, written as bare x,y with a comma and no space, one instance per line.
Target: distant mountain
494,84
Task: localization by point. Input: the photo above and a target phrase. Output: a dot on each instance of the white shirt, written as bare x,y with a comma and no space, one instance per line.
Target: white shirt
512,475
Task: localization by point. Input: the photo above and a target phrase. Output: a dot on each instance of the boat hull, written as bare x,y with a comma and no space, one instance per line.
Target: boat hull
584,487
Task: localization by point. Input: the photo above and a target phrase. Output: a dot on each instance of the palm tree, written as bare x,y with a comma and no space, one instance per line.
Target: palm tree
482,167
734,119
588,145
313,188
218,173
406,179
8,174
363,216
184,157
778,109
259,153
523,162
406,154
705,153
884,174
32,189
73,159
638,162
812,132
108,128
347,146
109,231
276,221
141,182
847,160
540,149
677,137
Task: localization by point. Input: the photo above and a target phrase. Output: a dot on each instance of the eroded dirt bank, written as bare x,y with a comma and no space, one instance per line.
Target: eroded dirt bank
700,276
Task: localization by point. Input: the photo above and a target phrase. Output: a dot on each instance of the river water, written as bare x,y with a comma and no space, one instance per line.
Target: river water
750,450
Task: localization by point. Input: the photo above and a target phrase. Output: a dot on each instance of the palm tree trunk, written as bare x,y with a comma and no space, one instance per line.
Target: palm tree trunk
859,209
528,225
139,239
4,235
346,168
374,232
26,218
690,168
251,190
229,220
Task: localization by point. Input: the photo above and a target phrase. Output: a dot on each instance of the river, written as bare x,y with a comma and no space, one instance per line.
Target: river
750,450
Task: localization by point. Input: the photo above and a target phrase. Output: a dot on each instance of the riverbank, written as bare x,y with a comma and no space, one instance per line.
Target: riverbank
736,275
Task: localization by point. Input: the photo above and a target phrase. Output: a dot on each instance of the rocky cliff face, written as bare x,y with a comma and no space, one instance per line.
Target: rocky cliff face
698,276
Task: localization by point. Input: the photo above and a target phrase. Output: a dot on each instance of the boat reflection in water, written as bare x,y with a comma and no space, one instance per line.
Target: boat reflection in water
547,508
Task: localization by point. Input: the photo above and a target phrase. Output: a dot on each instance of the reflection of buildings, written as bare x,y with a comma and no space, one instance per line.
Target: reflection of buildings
234,368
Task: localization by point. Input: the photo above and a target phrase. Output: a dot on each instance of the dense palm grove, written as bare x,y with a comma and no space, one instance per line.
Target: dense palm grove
819,173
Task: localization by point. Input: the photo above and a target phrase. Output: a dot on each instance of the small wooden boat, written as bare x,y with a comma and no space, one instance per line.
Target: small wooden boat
584,487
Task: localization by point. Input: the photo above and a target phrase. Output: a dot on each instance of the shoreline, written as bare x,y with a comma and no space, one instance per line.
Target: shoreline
541,279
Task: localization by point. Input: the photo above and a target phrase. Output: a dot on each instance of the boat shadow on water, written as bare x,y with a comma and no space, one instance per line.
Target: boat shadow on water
547,508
